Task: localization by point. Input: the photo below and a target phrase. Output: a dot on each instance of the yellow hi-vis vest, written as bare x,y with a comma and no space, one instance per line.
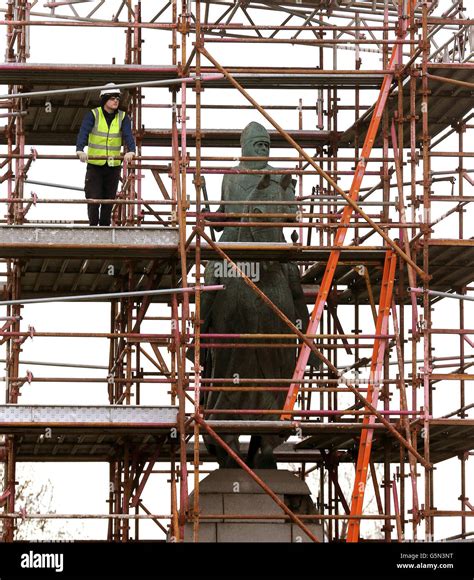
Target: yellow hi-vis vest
105,140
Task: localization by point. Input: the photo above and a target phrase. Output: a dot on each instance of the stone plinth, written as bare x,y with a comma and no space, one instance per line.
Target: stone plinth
233,492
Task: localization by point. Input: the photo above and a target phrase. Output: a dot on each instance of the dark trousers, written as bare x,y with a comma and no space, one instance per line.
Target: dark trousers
101,183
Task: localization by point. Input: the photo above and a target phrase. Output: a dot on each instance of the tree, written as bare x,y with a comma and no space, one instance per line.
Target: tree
36,497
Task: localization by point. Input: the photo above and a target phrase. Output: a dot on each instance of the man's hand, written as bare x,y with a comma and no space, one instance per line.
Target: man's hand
82,156
129,156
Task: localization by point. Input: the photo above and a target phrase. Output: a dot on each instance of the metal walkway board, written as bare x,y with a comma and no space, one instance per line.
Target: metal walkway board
67,240
15,418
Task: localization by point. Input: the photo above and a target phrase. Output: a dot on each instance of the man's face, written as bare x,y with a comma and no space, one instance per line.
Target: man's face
261,148
113,103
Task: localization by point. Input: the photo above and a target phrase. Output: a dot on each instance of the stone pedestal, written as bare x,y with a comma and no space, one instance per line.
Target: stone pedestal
234,492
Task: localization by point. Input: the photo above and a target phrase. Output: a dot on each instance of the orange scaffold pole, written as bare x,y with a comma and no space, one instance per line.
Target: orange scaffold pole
345,219
365,445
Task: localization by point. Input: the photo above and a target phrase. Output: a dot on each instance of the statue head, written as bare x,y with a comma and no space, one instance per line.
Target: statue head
255,142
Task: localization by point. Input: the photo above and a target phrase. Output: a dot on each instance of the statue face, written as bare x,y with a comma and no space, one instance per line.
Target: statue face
261,148
257,145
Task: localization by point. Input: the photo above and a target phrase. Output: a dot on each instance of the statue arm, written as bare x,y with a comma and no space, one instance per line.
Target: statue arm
289,195
291,192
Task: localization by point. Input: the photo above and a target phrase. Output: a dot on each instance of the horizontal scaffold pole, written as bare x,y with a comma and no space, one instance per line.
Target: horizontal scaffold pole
162,83
110,295
441,294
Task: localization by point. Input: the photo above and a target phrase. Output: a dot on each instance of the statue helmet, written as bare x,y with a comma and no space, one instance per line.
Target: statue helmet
253,133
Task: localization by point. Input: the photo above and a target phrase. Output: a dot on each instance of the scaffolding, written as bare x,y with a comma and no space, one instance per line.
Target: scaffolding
381,132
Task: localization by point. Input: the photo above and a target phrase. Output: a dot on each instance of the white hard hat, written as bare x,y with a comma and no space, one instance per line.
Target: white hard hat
110,89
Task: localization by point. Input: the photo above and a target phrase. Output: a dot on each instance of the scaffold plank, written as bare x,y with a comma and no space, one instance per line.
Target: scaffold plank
84,241
40,417
87,444
447,105
82,75
46,273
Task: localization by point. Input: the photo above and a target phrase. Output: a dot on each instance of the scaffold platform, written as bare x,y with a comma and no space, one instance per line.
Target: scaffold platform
18,418
84,433
71,259
449,103
85,241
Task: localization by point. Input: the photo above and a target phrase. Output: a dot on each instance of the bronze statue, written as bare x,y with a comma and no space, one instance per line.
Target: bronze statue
239,310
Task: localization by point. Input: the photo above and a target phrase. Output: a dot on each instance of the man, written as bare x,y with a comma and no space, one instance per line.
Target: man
103,130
